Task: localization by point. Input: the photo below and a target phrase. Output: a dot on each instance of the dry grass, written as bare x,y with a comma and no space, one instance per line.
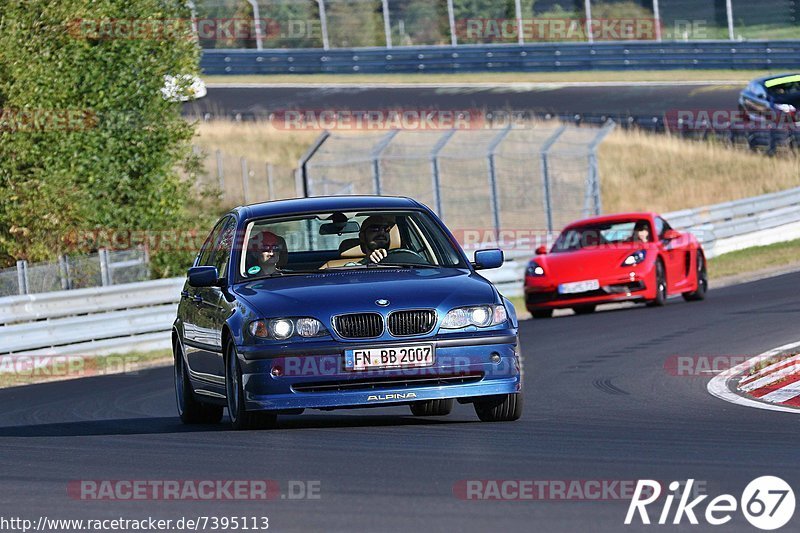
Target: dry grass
256,141
643,171
638,170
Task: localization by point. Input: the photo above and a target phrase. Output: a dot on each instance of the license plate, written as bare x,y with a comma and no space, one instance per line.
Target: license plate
579,286
389,357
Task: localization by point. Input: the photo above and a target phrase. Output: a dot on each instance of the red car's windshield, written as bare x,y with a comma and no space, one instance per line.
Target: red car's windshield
603,234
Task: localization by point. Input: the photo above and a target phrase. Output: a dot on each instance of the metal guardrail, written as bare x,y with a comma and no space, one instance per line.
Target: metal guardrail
120,318
539,57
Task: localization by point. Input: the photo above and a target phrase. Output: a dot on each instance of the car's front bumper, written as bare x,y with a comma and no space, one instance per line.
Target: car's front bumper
543,294
313,376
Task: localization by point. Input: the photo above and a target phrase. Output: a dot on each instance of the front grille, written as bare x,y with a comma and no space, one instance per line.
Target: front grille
359,325
394,383
419,322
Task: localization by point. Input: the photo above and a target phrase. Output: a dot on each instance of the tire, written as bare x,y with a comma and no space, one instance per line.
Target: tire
661,287
503,408
584,309
190,409
432,407
241,418
542,313
702,281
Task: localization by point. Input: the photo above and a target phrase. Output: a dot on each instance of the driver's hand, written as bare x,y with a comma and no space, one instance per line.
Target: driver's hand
378,255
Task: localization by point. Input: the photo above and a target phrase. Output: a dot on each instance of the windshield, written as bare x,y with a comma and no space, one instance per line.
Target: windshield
344,240
785,89
603,234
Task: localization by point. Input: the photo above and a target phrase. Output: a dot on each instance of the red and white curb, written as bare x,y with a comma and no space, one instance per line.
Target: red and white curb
775,387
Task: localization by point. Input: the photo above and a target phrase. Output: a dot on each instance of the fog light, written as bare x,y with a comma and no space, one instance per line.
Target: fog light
277,371
495,357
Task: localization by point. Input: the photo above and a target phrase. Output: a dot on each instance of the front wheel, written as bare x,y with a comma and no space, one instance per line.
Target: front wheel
190,410
503,408
702,282
241,418
661,286
432,407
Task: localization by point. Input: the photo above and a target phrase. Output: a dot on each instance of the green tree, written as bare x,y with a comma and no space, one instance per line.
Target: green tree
105,149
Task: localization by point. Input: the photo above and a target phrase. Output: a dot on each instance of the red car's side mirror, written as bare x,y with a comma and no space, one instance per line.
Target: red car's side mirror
541,250
670,235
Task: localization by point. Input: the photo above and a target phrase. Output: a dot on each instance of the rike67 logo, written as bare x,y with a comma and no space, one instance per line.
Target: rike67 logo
767,503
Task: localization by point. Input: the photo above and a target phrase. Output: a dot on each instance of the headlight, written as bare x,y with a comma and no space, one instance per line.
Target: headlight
309,327
785,108
283,328
481,316
635,258
534,269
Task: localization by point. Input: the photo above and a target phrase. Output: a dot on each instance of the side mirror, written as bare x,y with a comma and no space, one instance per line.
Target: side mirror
485,259
203,276
670,235
541,250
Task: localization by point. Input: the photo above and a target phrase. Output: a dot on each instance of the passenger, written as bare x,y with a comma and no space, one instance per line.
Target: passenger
267,253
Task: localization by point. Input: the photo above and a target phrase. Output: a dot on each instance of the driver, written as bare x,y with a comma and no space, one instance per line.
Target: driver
641,232
374,237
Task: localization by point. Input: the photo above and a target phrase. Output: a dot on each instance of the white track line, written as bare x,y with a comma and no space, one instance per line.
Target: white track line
718,386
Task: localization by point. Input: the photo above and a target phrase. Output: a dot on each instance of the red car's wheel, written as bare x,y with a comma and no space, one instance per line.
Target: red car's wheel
702,281
661,286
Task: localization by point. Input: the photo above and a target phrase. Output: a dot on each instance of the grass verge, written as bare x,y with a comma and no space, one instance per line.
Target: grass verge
18,370
500,77
754,259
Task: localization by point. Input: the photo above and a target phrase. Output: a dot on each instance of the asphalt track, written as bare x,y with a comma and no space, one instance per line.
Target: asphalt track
599,405
637,99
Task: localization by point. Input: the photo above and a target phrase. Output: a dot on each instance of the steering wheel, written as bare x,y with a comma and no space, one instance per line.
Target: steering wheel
404,255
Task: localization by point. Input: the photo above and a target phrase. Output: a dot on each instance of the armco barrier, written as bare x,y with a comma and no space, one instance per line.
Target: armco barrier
119,318
538,57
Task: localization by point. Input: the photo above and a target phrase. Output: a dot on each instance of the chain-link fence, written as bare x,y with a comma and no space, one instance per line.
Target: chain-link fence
492,181
106,267
238,180
387,23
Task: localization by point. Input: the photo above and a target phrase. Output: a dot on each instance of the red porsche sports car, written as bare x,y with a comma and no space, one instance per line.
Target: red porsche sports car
625,257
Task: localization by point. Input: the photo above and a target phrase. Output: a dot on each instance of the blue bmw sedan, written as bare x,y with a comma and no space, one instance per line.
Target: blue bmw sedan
341,302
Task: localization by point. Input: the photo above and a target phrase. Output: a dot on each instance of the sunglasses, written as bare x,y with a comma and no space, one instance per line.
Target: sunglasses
379,227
